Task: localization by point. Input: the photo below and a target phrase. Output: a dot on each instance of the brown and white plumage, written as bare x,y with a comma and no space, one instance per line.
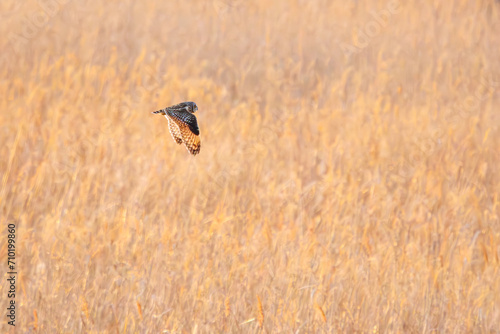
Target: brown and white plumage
174,130
183,125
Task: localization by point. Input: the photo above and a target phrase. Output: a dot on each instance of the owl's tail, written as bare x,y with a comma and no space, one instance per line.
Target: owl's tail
159,112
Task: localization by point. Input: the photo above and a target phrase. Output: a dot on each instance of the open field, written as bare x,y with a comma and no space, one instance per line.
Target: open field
348,179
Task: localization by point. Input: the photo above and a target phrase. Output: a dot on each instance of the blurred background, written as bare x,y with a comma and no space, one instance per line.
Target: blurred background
347,180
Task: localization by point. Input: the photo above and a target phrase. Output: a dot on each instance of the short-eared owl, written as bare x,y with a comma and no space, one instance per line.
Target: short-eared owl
183,125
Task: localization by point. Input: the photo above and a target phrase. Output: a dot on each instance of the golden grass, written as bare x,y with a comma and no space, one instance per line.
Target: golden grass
331,194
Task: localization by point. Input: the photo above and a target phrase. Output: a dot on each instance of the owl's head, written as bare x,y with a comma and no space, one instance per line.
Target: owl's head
191,107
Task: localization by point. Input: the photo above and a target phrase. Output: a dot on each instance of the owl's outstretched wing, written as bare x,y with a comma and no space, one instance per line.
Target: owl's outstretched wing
174,130
188,129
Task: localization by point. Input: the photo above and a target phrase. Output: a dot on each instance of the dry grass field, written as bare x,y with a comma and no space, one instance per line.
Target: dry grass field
348,179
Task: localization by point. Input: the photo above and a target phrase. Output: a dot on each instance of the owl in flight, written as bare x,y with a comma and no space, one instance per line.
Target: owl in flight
183,125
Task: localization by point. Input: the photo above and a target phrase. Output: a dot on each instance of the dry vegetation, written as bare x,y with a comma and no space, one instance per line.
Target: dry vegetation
332,193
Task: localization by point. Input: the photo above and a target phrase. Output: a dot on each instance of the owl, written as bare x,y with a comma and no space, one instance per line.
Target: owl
183,125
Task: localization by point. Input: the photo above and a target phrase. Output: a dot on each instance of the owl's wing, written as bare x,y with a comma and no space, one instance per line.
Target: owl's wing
174,130
188,128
